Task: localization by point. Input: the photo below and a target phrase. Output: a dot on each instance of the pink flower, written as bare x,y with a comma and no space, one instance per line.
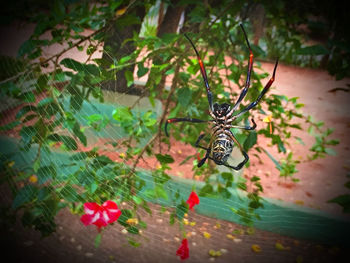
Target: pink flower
183,250
102,215
192,200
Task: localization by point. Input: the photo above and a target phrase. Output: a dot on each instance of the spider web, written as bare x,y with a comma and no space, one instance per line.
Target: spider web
159,238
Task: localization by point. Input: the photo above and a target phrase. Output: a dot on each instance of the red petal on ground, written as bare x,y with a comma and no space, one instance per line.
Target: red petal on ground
183,250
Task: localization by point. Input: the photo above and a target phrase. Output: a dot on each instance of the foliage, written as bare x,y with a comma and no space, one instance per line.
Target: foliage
313,34
344,199
58,89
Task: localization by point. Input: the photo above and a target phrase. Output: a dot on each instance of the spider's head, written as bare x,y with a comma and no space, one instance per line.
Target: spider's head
221,109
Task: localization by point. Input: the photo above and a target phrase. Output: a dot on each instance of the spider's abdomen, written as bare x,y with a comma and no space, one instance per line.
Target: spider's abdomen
221,148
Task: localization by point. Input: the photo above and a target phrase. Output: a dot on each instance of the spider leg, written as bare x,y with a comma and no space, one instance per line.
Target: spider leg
248,128
201,162
204,75
198,140
241,164
246,157
266,88
250,66
180,120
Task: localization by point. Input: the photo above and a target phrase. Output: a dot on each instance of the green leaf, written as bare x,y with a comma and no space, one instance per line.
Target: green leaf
46,173
184,96
93,187
129,77
137,199
126,214
27,133
169,38
27,97
76,102
330,151
224,192
42,83
299,140
122,114
206,190
128,20
181,210
164,158
69,194
24,110
77,132
134,243
106,173
278,166
36,165
141,70
98,239
160,192
24,195
45,193
227,176
250,141
69,142
26,48
133,230
342,200
172,219
89,69
44,102
10,126
242,186
313,50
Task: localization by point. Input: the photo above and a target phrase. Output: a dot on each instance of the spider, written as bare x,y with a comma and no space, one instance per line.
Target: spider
223,115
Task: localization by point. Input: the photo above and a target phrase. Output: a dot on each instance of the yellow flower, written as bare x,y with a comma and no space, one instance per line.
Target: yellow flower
120,11
268,119
214,253
279,246
299,202
33,179
192,223
122,155
217,226
256,248
10,164
185,220
206,235
229,236
132,221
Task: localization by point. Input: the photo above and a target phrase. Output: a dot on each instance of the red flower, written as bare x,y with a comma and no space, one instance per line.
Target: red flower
183,250
102,215
193,200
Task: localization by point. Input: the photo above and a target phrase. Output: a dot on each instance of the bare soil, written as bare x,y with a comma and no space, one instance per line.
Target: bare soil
73,242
